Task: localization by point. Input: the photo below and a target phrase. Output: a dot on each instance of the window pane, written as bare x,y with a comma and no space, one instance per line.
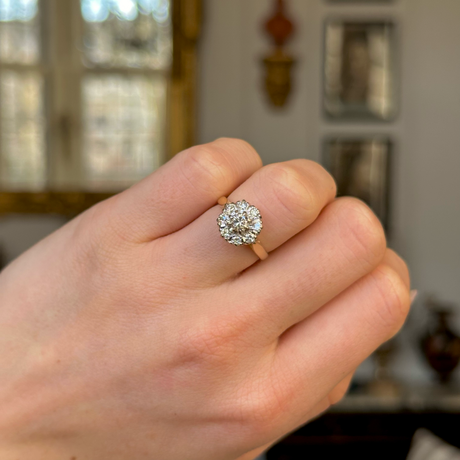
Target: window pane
127,33
19,31
123,123
22,130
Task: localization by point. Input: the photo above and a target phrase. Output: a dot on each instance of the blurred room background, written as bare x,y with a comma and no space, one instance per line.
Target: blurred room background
96,94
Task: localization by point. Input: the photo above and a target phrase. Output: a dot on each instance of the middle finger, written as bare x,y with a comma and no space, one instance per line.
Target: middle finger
344,244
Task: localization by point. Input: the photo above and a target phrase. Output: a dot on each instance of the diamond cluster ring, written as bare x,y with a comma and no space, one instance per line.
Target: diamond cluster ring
240,224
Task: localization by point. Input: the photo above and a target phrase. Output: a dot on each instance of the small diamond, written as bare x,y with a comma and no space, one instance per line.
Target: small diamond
242,205
240,223
236,240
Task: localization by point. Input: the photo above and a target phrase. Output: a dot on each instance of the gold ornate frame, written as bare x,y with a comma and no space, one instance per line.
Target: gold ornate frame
186,16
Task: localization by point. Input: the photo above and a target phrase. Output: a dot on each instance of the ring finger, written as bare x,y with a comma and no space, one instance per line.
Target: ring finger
289,195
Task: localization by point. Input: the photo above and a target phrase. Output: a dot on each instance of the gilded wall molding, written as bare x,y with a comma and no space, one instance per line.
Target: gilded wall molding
65,203
187,16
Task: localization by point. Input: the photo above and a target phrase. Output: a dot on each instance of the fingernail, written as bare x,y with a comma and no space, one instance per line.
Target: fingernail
413,295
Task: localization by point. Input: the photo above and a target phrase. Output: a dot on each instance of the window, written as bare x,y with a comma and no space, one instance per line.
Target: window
87,91
23,161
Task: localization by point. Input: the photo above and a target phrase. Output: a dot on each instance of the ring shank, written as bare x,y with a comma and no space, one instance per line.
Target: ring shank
258,249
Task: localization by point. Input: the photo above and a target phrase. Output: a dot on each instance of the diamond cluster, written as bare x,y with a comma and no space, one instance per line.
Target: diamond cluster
240,223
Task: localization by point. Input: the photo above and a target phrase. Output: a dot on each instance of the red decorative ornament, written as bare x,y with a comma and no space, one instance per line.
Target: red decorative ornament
278,65
279,27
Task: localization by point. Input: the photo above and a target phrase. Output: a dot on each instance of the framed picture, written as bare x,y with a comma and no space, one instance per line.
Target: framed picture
361,168
360,70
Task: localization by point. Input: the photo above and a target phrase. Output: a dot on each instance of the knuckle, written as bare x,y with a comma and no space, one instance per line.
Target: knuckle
213,342
394,259
260,410
291,190
319,172
207,163
393,304
199,344
365,237
265,403
239,146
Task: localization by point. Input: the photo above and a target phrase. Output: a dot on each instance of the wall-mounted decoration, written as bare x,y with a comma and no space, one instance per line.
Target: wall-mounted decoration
360,70
361,168
278,64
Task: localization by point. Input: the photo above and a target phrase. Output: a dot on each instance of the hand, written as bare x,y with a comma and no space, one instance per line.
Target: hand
135,331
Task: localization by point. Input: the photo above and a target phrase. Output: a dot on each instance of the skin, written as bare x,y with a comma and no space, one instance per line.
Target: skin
136,331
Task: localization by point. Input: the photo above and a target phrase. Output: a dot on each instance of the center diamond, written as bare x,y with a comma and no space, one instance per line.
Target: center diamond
240,223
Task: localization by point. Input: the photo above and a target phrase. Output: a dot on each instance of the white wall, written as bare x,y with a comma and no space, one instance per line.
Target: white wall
20,232
426,184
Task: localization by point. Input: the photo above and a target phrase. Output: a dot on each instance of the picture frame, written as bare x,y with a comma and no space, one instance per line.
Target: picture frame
360,69
361,167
